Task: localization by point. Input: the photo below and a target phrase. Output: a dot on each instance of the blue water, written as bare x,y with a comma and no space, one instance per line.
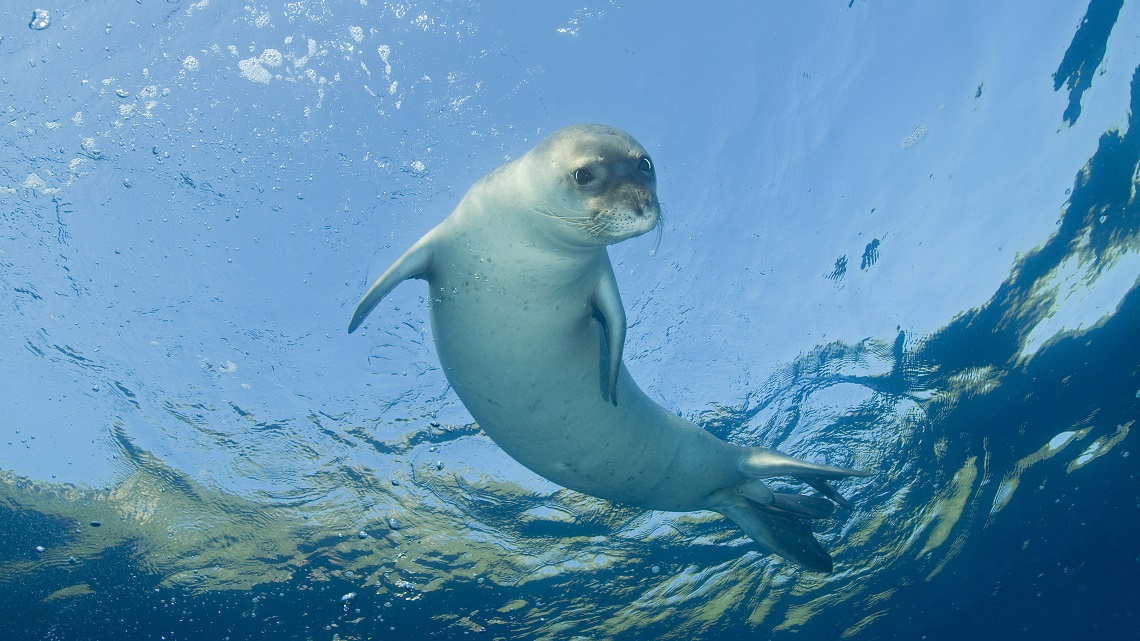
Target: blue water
904,238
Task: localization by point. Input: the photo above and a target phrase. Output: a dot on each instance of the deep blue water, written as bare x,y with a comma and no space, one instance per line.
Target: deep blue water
901,238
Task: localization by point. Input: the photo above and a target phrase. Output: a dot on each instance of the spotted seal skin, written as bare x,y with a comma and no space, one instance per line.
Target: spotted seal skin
529,327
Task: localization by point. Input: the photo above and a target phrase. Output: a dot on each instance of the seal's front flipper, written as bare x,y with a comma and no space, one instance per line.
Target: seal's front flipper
415,263
778,531
607,303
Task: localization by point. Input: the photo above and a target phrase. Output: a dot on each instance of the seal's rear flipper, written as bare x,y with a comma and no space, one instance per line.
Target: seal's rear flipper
761,462
415,263
823,488
799,505
779,532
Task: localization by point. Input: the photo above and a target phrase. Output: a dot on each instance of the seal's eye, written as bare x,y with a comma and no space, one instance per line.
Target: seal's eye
645,165
583,176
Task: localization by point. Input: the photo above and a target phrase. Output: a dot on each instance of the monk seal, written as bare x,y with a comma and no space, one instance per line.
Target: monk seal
529,328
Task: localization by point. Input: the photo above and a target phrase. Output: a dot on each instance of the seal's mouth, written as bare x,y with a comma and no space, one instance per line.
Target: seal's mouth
611,217
615,224
630,213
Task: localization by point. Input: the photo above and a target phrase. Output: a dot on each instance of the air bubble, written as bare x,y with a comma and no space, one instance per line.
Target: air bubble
40,20
914,137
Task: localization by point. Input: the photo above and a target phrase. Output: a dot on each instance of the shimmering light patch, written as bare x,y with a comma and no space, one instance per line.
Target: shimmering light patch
948,508
166,518
79,589
797,616
1082,296
705,595
547,513
1012,478
974,381
876,520
864,622
517,604
1100,447
1061,440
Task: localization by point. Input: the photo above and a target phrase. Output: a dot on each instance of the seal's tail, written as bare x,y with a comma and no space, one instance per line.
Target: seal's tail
777,520
783,534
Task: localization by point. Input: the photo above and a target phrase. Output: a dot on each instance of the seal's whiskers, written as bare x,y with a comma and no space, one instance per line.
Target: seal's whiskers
659,226
582,222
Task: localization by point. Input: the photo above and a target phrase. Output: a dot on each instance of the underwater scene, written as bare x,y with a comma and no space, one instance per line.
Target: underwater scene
896,238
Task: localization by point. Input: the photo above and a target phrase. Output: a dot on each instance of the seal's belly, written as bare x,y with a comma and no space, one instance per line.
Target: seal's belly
532,375
508,361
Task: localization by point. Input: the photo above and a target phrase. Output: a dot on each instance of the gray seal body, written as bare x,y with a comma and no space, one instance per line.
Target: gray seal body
529,327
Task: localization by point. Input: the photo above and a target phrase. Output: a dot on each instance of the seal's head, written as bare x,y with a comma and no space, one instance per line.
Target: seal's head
597,181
